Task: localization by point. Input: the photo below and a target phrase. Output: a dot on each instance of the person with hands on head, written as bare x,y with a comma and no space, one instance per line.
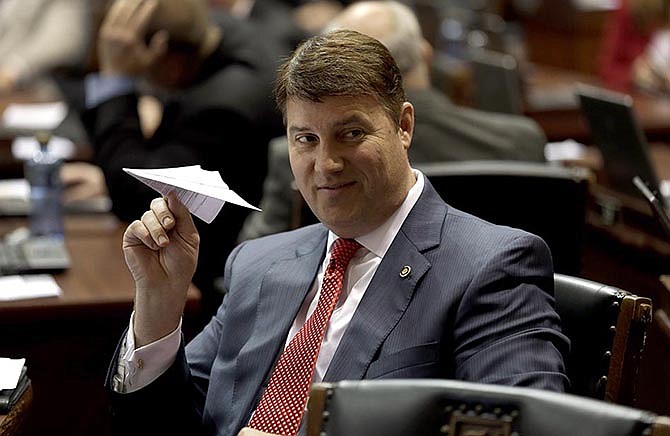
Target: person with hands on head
172,91
392,283
122,47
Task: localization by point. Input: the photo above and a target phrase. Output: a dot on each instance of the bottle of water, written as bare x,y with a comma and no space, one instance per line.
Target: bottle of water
43,174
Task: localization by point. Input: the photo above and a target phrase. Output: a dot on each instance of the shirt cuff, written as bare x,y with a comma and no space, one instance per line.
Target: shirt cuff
100,88
139,367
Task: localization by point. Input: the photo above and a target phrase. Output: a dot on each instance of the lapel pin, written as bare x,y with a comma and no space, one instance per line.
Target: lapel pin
404,272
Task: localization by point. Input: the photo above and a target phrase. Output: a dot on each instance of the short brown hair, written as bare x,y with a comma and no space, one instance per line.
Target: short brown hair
341,63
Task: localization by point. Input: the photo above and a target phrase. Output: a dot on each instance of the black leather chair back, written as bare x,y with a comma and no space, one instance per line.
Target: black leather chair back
448,407
541,199
607,328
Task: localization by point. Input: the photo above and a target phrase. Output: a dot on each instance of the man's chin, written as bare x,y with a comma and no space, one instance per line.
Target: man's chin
345,226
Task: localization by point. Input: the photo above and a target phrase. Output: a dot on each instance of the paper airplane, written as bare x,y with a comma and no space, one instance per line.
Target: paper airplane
202,192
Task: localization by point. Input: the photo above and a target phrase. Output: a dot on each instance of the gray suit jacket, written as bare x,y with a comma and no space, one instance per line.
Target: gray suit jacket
477,306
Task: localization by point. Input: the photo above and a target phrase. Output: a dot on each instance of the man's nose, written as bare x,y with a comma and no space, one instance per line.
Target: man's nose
328,158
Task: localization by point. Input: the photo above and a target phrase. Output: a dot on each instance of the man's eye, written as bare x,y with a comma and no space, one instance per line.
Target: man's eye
306,139
354,134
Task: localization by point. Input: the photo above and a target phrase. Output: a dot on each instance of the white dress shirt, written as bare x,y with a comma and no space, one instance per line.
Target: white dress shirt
139,367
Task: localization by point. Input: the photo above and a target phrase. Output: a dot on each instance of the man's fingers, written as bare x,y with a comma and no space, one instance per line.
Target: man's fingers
155,228
184,222
141,17
157,46
121,12
165,214
128,15
136,233
160,209
113,14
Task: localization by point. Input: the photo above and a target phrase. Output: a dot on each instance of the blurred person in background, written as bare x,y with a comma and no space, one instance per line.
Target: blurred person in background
173,90
651,70
37,36
632,53
272,19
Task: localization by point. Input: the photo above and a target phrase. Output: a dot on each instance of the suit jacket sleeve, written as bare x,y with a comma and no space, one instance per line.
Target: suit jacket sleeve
173,403
171,395
506,329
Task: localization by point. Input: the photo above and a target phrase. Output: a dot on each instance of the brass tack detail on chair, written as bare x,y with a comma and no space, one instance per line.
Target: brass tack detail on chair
644,313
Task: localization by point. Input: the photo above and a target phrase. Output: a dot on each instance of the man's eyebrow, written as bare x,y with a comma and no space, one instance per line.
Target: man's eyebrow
296,129
352,119
355,118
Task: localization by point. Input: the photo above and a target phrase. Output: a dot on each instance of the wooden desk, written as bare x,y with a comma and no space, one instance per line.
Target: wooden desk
653,112
12,424
68,341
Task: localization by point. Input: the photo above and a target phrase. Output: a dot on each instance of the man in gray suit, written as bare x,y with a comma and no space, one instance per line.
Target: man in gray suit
431,292
444,131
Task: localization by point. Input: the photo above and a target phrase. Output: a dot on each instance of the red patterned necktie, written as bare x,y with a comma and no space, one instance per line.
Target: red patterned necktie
283,402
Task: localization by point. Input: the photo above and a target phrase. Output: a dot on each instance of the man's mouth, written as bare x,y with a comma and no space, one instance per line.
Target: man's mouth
335,186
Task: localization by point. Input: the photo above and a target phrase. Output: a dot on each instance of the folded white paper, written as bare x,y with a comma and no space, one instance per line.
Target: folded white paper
10,372
34,116
203,192
29,286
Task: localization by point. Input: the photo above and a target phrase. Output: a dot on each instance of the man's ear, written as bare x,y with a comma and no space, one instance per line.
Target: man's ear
406,124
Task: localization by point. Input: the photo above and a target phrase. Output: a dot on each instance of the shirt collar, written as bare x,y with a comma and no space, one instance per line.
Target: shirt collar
379,240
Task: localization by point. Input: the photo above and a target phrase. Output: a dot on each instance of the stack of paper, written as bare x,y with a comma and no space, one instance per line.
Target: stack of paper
29,286
34,116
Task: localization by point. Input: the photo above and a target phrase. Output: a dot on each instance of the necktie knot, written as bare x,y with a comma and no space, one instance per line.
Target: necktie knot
343,251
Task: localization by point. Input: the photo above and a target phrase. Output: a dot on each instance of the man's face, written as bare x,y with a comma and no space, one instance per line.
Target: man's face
349,160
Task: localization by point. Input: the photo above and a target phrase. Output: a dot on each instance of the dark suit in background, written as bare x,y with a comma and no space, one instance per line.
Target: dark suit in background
270,21
447,132
275,19
223,122
477,306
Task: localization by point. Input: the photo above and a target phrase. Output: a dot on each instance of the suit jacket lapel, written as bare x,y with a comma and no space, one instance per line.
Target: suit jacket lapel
282,292
389,294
